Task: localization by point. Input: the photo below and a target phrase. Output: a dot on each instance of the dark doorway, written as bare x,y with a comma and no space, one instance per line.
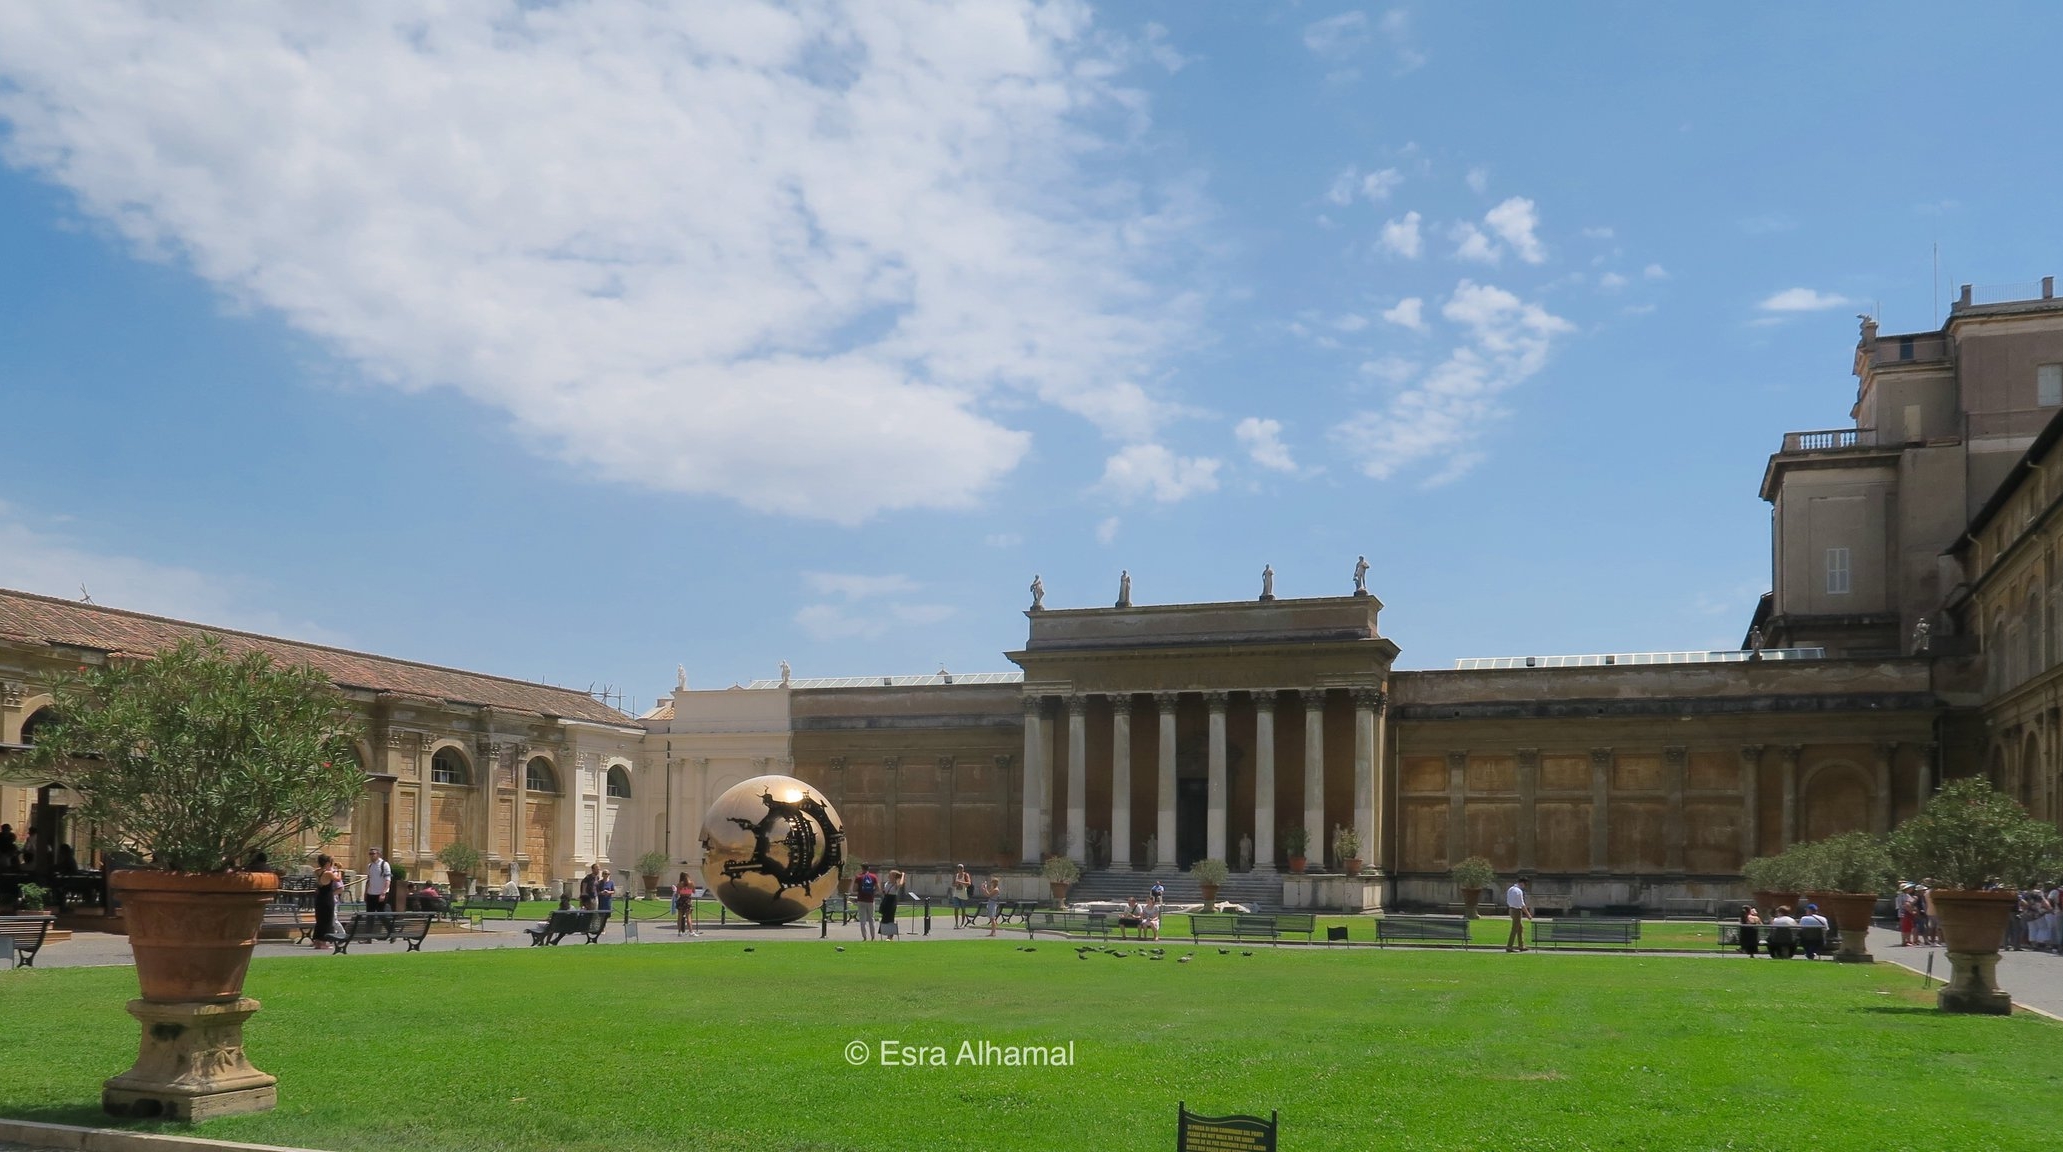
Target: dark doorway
1192,809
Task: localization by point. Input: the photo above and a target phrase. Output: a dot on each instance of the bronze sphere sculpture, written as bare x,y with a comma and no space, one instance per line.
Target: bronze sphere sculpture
771,847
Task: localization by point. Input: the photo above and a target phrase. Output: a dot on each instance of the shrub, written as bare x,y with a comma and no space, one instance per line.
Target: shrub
1345,843
1295,840
32,897
1855,862
1970,835
459,856
1062,870
1208,871
1475,872
652,863
1771,873
196,759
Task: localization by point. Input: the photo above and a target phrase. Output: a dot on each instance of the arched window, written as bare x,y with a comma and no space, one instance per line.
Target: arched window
448,766
619,783
42,717
539,777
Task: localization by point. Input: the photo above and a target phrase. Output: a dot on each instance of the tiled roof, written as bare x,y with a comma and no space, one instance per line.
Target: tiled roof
26,617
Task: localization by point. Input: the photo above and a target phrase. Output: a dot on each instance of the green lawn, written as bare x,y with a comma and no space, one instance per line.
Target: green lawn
709,1046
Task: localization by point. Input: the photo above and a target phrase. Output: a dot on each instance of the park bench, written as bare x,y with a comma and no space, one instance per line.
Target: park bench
1249,926
1068,923
570,922
483,905
840,909
1422,930
286,921
1304,924
1586,930
1730,936
387,928
21,937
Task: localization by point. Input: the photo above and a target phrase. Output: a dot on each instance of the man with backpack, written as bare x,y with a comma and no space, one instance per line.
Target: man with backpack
865,887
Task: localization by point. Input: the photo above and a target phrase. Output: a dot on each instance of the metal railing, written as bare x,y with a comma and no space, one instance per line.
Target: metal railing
1613,659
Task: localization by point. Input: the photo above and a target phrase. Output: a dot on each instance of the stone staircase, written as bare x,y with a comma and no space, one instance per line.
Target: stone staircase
1257,890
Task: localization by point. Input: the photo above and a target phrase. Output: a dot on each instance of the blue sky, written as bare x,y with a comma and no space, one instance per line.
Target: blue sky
574,342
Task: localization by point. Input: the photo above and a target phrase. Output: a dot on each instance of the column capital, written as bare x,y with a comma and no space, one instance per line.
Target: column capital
1034,705
1374,699
1791,754
1751,753
1527,755
1166,701
892,763
1217,701
1121,704
1928,750
1077,705
1004,761
1887,751
1313,698
1675,753
945,763
837,763
1600,757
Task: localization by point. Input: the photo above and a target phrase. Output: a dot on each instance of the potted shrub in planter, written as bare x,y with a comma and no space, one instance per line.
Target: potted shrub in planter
196,759
1773,880
1472,876
650,866
1346,848
1209,875
461,862
1968,836
31,898
1843,875
1295,842
1061,872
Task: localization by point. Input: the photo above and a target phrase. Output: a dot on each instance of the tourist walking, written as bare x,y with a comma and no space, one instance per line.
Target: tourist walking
587,887
684,906
963,896
865,888
605,894
993,893
1520,911
327,883
1905,904
379,881
891,893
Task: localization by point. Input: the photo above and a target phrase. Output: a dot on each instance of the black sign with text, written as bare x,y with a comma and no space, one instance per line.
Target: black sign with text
1195,1133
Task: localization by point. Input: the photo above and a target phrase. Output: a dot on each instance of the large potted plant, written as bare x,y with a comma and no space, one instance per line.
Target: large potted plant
461,863
1061,872
1774,882
1209,876
1472,876
1295,842
650,866
1969,836
1843,875
195,760
1346,848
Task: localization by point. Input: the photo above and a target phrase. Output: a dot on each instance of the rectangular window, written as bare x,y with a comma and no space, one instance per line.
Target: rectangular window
2048,385
1837,571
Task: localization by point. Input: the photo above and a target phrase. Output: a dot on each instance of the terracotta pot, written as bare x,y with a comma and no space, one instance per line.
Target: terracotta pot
1210,897
651,886
1352,867
1059,893
1973,925
192,932
1766,903
1469,896
1849,912
1298,863
461,883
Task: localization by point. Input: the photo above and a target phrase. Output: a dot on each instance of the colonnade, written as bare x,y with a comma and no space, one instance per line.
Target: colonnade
1041,772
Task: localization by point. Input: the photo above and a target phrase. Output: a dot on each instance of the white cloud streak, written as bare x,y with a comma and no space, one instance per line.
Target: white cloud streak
1407,313
1803,300
1515,221
766,252
1262,440
1401,237
1140,471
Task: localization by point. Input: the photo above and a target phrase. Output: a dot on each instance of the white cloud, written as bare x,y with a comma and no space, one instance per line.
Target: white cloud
1338,37
1597,233
1479,179
1351,322
1439,418
1106,529
1803,300
1400,236
1611,281
1379,185
1655,272
1390,369
1514,221
855,611
1154,41
35,560
1342,189
1263,442
747,250
1471,244
1396,28
1142,470
1407,313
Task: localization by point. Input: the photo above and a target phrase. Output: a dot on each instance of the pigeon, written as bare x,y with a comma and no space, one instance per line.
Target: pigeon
841,947
1081,955
1159,957
1120,955
748,949
1182,960
1246,952
1224,951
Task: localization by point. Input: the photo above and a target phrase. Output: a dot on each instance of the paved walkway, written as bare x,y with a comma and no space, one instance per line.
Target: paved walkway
2031,978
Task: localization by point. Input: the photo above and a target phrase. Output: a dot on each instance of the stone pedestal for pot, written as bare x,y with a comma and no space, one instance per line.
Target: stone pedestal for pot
1973,925
1059,894
192,934
1210,897
1849,912
1469,897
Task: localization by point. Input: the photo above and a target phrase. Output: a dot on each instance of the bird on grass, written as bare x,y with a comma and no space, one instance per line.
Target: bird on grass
1183,960
1120,955
1224,951
841,947
748,949
1246,952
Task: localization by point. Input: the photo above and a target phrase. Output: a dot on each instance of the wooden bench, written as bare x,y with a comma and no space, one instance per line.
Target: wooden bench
1068,923
1730,936
1586,930
387,928
1422,930
21,937
1248,925
483,905
570,922
1302,923
287,921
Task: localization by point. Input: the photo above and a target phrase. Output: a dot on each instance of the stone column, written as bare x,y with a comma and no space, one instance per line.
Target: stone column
1121,783
1600,812
1457,795
1314,774
892,773
1034,788
1675,767
1880,795
1078,779
1368,705
1529,787
1214,826
1791,752
1164,706
1928,768
946,786
1751,801
1264,780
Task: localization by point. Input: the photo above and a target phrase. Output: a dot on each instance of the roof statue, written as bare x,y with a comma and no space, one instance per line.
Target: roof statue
1038,591
680,678
1124,589
786,675
1361,576
1268,582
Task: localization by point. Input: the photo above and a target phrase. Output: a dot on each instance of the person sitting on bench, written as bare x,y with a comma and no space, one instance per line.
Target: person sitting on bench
1812,941
1751,930
1131,918
1783,934
428,899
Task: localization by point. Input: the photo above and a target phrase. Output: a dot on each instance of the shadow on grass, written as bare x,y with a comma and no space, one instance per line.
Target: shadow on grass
86,1116
1902,1010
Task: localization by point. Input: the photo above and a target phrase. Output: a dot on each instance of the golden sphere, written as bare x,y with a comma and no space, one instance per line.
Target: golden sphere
771,847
